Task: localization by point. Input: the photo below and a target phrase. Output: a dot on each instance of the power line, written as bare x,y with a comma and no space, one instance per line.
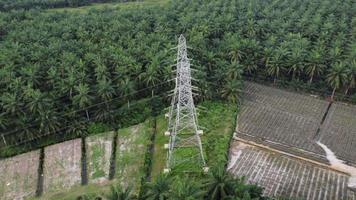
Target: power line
83,122
87,107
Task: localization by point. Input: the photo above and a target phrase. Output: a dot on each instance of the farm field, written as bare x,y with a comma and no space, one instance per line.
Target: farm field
338,131
278,116
99,150
284,176
62,166
18,176
103,71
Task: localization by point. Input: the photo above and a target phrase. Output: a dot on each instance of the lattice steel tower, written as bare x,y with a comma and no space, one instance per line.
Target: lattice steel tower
184,143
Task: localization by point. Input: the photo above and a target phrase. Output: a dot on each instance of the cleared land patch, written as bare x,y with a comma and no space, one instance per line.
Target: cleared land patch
280,117
62,166
130,154
339,131
99,149
216,119
284,176
18,176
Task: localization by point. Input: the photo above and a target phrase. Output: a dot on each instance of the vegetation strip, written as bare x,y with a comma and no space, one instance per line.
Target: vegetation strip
84,171
39,189
113,156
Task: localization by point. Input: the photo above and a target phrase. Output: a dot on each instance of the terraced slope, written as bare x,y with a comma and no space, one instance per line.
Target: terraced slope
284,176
99,150
281,117
340,126
18,176
62,166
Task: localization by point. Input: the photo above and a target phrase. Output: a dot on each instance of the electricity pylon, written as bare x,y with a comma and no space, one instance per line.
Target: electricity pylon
184,136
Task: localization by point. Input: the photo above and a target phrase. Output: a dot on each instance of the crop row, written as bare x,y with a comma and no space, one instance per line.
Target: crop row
287,177
339,131
295,103
278,126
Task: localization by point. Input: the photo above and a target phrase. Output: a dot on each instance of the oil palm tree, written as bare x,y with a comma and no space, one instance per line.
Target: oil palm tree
295,61
337,76
219,185
275,64
186,189
82,99
234,70
316,64
117,193
159,189
351,77
232,90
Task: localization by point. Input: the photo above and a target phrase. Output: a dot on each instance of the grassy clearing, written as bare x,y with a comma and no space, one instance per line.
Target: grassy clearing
131,149
99,149
113,5
159,155
218,122
18,175
76,191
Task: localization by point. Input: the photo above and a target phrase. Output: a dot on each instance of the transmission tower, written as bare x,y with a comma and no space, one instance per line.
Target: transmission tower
184,136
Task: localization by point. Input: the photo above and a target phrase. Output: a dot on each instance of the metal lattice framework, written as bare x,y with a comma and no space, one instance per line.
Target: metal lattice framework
183,124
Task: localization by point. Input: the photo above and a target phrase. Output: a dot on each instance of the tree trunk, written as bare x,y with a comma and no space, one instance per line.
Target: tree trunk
275,80
311,77
87,113
332,95
347,90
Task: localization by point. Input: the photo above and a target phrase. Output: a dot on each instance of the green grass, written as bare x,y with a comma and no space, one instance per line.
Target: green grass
74,192
113,5
98,152
159,154
131,149
98,157
218,123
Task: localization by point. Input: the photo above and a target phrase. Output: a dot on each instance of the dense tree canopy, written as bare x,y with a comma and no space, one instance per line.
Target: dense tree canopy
60,68
7,5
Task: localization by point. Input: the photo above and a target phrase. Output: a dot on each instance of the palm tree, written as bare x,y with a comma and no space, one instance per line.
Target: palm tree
337,76
159,189
232,90
274,64
219,185
246,191
351,79
186,189
127,88
105,89
37,101
295,61
11,103
3,121
151,76
234,70
234,47
82,98
316,64
117,193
